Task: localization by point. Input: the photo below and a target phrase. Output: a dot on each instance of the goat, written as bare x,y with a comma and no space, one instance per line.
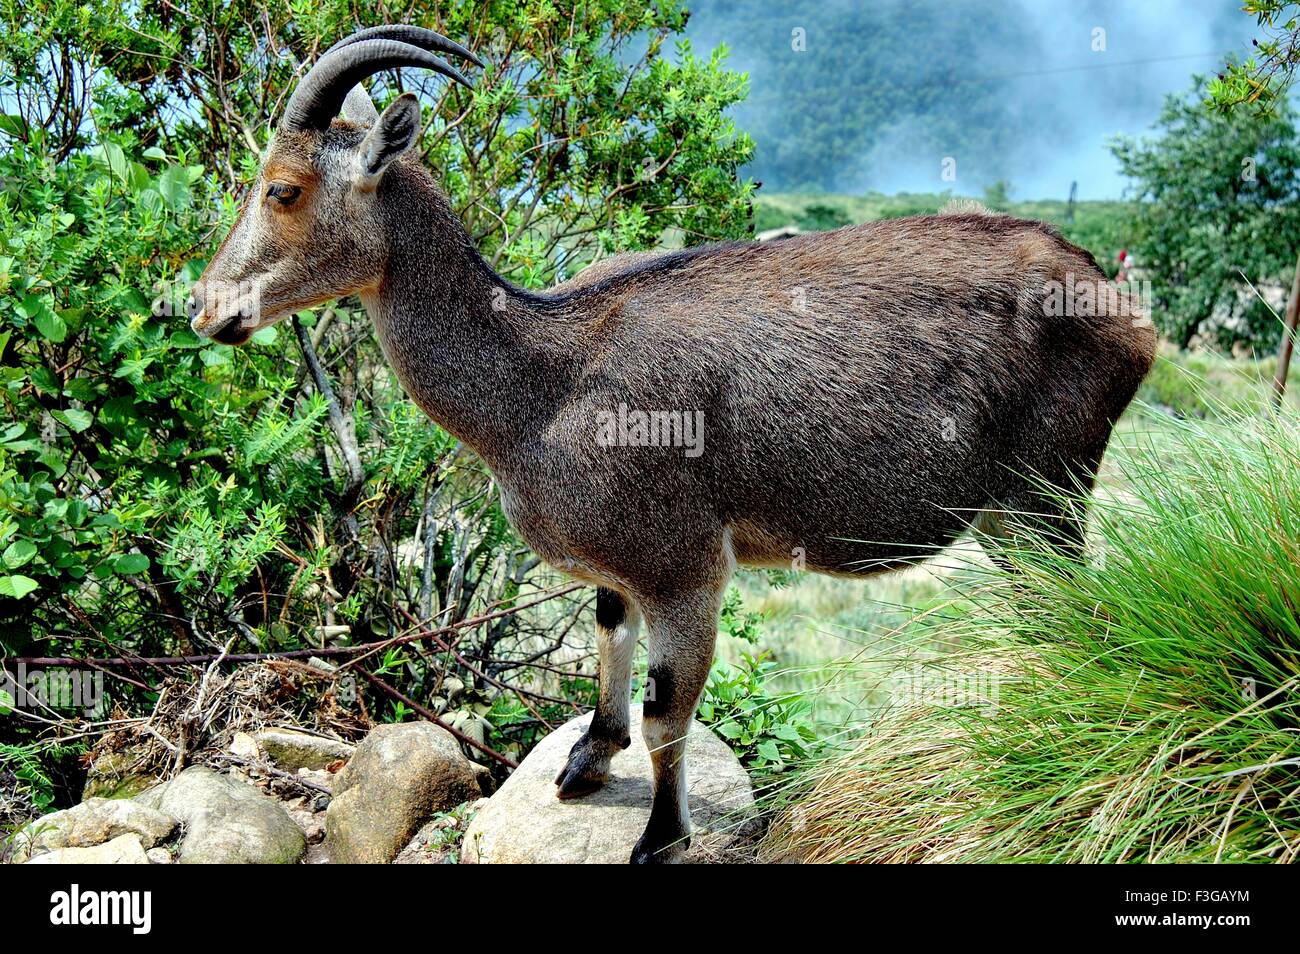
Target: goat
867,394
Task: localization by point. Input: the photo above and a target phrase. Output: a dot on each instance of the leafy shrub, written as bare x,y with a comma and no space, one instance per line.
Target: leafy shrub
766,730
820,217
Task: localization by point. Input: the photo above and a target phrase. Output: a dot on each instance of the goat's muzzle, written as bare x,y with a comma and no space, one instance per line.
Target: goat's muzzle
228,330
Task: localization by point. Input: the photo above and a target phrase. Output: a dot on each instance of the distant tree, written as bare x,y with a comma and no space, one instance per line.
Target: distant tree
819,217
833,82
1219,198
998,195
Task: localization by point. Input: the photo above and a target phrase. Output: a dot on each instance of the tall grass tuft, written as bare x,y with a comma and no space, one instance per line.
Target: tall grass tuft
1138,706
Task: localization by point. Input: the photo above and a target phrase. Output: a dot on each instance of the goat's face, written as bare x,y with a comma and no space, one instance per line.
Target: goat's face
311,228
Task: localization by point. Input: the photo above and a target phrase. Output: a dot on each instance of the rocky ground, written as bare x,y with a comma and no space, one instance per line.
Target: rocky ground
405,794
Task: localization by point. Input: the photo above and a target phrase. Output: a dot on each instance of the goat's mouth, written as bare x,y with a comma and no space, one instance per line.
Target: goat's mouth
232,332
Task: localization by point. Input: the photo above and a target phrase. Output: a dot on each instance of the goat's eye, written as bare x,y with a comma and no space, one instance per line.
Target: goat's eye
282,193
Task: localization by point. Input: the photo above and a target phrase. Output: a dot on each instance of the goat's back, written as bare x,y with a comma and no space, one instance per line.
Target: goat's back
876,383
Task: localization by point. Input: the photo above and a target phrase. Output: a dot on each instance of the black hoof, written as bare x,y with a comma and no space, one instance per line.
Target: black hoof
573,782
586,771
647,853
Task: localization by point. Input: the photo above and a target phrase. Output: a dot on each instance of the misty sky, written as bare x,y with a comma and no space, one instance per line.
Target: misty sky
1060,100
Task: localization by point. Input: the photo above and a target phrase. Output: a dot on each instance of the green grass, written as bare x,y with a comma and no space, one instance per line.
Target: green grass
1206,384
1097,712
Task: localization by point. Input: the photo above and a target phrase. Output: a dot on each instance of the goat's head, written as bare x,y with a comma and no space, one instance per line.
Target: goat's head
310,229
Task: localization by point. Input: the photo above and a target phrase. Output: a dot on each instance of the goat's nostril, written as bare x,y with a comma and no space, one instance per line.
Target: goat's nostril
192,306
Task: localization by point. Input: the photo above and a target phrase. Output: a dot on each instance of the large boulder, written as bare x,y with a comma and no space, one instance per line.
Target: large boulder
525,823
95,822
227,821
292,749
398,777
122,850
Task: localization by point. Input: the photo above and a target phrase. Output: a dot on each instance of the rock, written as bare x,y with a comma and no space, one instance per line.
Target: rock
95,822
292,750
524,822
119,773
433,844
399,776
245,746
486,783
316,776
226,821
159,856
122,850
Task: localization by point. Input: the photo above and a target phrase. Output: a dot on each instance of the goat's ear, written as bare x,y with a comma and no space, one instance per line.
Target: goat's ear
394,132
359,108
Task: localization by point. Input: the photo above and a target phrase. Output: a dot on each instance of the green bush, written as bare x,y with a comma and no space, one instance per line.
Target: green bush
164,495
767,730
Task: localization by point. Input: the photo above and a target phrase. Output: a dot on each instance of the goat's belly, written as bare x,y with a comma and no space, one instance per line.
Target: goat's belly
850,551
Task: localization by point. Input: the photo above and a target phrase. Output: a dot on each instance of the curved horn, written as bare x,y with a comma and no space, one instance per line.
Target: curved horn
414,35
320,95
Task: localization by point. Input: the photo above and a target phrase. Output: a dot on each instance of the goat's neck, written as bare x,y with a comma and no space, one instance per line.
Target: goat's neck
470,349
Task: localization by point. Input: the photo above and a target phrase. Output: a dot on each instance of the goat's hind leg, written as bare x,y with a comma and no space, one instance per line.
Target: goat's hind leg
617,622
1052,514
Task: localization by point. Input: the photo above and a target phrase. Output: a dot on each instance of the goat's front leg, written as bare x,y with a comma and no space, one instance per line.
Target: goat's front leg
682,634
617,622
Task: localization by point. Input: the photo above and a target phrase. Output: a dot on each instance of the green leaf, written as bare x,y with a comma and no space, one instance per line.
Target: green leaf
265,336
51,326
18,553
112,156
74,419
17,585
174,185
129,564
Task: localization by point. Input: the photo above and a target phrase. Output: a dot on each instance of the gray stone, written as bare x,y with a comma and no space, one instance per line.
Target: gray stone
292,750
398,778
227,821
525,823
122,850
95,822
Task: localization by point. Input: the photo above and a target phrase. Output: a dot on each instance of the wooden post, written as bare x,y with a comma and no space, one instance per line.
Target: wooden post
1288,339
